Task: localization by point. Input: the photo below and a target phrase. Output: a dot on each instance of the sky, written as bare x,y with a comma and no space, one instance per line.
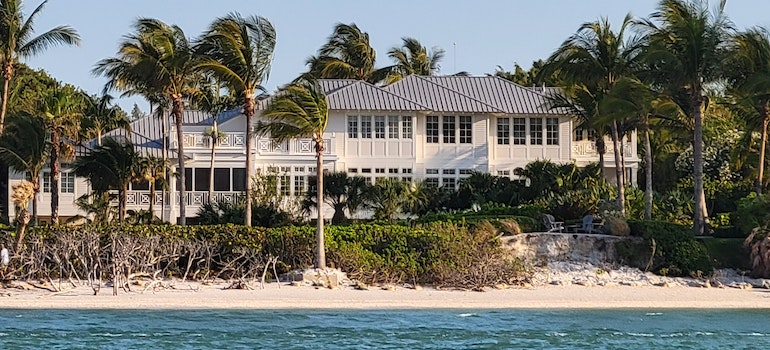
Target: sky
477,35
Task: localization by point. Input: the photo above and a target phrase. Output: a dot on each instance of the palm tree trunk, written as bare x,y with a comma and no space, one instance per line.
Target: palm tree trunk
647,171
622,143
165,167
214,141
321,249
36,186
248,112
22,222
700,212
7,75
152,181
122,193
618,170
55,139
177,110
601,149
762,147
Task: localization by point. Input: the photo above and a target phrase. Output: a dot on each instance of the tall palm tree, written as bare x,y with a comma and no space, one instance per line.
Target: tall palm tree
347,55
24,148
17,41
241,49
215,136
300,110
157,61
596,57
685,46
750,80
112,165
413,58
61,111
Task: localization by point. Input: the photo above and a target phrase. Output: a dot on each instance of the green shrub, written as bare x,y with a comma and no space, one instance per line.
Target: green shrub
753,211
676,249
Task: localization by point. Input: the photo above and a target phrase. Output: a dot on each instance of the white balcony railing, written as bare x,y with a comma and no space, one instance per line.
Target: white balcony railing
587,149
193,198
262,145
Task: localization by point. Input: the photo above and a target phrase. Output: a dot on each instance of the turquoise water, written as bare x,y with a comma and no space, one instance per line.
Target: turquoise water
399,329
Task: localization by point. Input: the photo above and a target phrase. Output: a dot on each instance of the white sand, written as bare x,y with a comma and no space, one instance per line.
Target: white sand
554,290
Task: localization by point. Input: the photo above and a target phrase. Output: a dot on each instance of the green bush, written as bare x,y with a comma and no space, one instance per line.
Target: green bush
676,249
753,211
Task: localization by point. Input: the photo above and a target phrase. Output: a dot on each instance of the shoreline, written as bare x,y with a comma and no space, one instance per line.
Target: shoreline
197,296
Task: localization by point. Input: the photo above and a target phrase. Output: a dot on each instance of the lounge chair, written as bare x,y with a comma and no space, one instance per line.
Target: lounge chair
589,226
551,225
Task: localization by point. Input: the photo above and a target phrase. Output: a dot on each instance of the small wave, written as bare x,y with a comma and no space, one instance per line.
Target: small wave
754,334
704,333
556,334
653,314
466,315
672,335
110,335
646,335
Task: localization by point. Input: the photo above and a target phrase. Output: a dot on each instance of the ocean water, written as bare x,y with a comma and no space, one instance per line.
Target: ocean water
391,329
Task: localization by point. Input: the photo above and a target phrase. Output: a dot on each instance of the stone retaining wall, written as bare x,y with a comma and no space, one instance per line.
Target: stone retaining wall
592,248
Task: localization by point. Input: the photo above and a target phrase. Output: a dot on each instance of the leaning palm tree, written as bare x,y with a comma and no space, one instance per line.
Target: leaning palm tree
215,136
157,61
61,110
596,57
152,169
300,110
241,52
23,147
413,58
685,46
347,55
110,166
17,41
750,78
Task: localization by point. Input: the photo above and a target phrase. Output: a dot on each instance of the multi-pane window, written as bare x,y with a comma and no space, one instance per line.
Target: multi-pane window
352,126
449,129
519,131
448,183
67,182
466,126
379,127
503,131
432,182
448,171
299,185
353,170
466,171
535,131
393,127
431,129
505,173
552,131
406,127
392,170
366,126
579,133
284,185
379,170
431,171
591,135
406,170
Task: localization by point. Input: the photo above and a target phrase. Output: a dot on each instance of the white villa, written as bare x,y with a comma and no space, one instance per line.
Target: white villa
438,129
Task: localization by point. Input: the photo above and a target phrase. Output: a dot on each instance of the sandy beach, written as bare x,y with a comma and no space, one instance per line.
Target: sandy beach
561,287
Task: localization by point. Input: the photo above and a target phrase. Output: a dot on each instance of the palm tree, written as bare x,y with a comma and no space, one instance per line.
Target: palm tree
413,58
751,83
157,61
341,191
22,193
101,116
388,197
347,55
300,110
215,136
685,47
152,170
61,111
596,57
241,51
23,147
112,165
17,41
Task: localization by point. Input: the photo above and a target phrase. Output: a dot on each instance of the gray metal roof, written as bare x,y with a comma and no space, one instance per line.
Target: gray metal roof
362,96
498,92
439,97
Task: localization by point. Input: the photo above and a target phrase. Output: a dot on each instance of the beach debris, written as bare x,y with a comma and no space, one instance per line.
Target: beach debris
501,286
361,286
389,287
238,284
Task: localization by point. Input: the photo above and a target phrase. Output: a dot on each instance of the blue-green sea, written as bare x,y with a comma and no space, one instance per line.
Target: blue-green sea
389,329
